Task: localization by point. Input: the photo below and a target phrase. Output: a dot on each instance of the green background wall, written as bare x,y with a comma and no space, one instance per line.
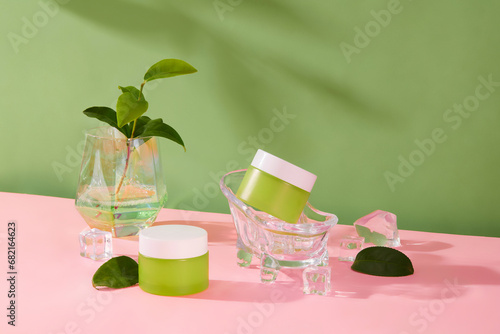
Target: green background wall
350,90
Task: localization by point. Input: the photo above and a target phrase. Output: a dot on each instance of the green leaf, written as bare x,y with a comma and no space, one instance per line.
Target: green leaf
128,108
134,91
106,115
382,261
168,68
118,272
156,127
139,126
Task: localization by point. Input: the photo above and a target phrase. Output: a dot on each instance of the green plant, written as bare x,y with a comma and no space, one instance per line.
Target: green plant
129,116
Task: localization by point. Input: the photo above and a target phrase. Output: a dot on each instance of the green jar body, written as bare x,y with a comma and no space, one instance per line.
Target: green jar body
272,195
173,277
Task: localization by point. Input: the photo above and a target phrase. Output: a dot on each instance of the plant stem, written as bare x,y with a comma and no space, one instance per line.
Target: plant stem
124,170
142,86
128,149
133,129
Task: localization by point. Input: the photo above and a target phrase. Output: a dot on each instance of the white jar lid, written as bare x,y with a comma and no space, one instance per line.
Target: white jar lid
173,242
284,170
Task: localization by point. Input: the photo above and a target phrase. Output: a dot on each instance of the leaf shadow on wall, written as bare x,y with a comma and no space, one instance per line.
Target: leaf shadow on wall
241,64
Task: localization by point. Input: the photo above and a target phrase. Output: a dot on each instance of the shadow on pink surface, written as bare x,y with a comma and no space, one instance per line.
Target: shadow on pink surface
431,280
424,246
280,292
218,233
250,292
434,277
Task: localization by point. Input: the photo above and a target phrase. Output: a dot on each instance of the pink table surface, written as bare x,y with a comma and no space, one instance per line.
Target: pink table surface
455,288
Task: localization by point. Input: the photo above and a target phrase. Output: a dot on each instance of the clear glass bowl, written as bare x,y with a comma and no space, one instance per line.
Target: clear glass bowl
121,187
275,242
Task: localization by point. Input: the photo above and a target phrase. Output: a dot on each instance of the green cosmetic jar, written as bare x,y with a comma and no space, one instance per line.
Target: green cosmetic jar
276,186
173,260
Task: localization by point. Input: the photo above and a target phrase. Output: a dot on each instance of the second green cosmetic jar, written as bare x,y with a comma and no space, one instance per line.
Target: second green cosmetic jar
173,260
276,186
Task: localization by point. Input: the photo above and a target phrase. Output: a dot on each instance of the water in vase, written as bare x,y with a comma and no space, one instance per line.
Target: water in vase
125,214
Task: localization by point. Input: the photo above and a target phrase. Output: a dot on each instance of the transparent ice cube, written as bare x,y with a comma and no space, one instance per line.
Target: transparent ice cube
316,280
269,269
96,244
379,228
244,258
349,247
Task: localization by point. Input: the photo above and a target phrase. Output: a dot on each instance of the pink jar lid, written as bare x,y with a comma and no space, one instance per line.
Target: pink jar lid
173,241
284,170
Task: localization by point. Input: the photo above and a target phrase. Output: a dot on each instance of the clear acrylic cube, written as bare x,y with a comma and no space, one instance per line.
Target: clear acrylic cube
379,228
349,247
96,244
316,280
